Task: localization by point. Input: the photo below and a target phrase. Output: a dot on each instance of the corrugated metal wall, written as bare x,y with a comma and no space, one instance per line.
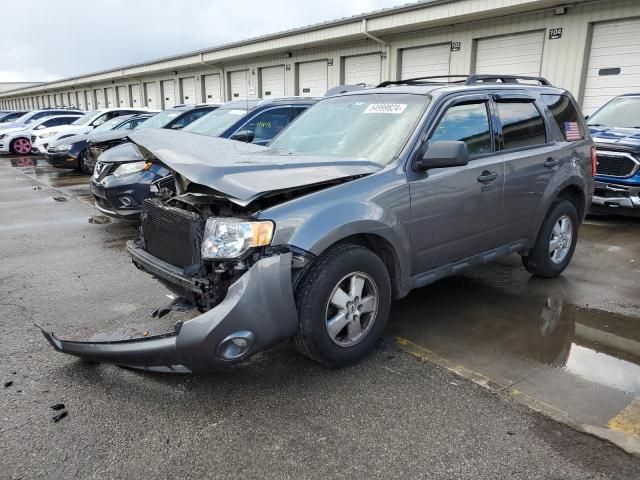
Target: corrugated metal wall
564,60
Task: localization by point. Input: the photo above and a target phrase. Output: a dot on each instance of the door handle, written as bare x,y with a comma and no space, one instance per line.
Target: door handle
487,177
551,162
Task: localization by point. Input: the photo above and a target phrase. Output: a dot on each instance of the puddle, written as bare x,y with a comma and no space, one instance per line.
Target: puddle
506,336
99,220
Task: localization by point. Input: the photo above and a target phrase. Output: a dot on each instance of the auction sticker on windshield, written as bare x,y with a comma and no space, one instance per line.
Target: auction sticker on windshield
395,108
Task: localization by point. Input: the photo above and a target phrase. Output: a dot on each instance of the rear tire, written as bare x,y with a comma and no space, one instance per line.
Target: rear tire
343,302
556,241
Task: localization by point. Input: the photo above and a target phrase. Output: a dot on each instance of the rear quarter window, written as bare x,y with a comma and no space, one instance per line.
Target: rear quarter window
568,118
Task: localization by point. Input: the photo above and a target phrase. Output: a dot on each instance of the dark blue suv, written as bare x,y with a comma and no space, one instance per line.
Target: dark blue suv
123,179
615,128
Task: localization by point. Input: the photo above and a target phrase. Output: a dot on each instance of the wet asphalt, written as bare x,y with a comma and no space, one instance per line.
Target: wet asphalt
570,343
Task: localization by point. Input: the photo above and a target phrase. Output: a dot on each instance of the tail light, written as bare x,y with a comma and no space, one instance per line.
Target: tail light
594,160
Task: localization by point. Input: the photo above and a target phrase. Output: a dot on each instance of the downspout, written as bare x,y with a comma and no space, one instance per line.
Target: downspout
222,75
387,48
139,80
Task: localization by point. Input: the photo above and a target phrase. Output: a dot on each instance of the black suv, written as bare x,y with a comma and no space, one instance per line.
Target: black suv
366,196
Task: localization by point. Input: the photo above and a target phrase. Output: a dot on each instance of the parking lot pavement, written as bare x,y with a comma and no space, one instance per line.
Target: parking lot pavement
281,416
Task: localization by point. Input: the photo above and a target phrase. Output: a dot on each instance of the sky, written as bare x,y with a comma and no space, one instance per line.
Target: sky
44,40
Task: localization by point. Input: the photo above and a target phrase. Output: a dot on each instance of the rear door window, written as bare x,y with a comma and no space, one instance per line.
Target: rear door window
522,124
566,115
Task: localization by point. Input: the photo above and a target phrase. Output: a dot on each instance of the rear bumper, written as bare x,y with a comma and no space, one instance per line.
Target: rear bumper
258,307
612,196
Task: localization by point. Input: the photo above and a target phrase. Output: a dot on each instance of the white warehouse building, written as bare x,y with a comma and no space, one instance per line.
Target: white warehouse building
590,47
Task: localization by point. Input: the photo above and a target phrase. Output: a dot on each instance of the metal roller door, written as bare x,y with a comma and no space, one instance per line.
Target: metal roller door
111,98
100,103
135,96
614,63
272,82
50,101
123,100
364,69
81,100
72,99
312,79
188,90
425,61
519,54
168,93
238,84
150,96
212,88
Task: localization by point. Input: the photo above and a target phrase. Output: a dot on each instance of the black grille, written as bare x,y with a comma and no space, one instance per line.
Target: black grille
33,139
172,235
615,165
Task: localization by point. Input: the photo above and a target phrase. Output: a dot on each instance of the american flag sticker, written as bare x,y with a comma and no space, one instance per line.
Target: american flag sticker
572,131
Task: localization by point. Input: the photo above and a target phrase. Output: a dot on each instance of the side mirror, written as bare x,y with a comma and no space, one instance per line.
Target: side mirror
176,126
97,123
243,136
443,154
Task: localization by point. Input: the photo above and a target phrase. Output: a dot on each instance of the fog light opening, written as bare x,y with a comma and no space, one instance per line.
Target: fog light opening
127,201
236,345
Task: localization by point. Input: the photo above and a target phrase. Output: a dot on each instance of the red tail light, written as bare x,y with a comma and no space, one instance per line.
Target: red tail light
594,160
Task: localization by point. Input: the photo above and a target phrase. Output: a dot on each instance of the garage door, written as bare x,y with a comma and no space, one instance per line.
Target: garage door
365,69
135,96
188,89
272,82
519,54
238,84
614,63
99,95
312,79
123,100
81,100
150,95
425,61
111,98
212,88
168,93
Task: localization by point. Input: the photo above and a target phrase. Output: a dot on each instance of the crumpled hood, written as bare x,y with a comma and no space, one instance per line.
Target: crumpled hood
70,140
125,153
243,171
108,136
618,138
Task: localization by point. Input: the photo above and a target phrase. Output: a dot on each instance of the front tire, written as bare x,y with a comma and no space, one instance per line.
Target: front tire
343,302
20,146
556,242
82,165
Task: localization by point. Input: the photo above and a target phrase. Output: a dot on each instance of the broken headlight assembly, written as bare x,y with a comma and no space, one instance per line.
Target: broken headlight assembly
129,168
232,237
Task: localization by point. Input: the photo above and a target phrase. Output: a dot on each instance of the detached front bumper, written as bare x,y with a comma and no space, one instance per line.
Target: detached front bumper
616,198
259,310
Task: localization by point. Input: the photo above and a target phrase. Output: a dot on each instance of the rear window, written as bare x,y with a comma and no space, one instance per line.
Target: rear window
522,125
566,115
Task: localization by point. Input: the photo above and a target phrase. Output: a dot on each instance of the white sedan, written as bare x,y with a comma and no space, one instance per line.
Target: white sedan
17,140
82,125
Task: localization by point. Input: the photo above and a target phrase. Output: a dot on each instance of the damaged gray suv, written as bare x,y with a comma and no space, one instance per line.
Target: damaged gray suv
366,196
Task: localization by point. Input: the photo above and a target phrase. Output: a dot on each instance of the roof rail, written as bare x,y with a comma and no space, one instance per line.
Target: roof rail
475,78
421,80
466,80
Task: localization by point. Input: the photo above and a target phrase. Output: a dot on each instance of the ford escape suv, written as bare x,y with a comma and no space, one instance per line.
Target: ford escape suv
366,196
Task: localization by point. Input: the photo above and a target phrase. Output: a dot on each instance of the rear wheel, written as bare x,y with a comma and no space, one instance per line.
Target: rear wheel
556,241
343,302
82,163
20,146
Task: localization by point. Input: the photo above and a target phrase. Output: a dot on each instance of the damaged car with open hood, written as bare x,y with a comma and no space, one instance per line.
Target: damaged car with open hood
365,197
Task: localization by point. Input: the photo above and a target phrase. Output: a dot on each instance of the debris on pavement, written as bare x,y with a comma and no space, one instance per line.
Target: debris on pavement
57,406
59,416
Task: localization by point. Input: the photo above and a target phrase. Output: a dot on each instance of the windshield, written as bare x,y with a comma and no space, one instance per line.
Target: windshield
374,127
622,112
161,119
84,119
109,125
216,122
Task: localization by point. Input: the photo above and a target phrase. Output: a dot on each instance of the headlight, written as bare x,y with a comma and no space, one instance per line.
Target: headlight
129,168
62,148
231,237
48,134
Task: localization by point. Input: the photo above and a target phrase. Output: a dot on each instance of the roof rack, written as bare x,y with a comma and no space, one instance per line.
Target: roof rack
466,80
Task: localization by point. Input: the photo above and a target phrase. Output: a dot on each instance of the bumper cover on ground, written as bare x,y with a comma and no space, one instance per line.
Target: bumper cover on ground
261,302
